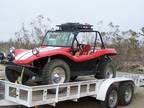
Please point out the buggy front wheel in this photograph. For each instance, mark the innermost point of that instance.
(55, 72)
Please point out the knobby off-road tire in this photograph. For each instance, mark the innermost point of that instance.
(126, 91)
(106, 70)
(55, 72)
(13, 72)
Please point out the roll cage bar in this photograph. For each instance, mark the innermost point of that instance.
(96, 34)
(77, 28)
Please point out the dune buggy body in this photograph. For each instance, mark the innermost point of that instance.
(72, 50)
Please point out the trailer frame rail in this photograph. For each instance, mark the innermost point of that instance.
(40, 95)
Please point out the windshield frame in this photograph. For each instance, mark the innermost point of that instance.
(42, 44)
(97, 33)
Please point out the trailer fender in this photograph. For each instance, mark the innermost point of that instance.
(104, 86)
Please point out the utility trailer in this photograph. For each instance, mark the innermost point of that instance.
(109, 92)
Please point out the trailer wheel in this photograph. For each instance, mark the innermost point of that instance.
(126, 91)
(55, 72)
(106, 70)
(111, 100)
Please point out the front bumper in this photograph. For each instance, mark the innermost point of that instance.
(27, 72)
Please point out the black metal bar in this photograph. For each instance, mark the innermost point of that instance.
(95, 42)
(73, 40)
(103, 46)
(75, 27)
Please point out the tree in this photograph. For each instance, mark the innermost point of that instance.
(142, 29)
(34, 32)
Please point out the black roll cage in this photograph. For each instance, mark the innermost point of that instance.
(97, 33)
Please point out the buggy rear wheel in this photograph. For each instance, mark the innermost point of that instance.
(107, 70)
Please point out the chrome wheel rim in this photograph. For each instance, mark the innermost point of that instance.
(109, 72)
(128, 94)
(58, 75)
(113, 98)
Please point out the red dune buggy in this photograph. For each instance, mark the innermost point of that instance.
(73, 50)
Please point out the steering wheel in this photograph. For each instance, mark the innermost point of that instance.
(76, 48)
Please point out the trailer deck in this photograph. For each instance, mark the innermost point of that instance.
(39, 95)
(14, 94)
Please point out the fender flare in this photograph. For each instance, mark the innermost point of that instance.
(104, 86)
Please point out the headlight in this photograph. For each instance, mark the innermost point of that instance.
(5, 55)
(12, 49)
(35, 51)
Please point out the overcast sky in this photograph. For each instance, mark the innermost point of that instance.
(126, 13)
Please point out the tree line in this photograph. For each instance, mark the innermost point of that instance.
(129, 44)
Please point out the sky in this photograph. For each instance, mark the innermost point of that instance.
(126, 13)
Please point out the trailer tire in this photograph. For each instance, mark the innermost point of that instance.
(126, 91)
(111, 100)
(106, 70)
(52, 76)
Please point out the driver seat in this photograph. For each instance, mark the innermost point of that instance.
(86, 49)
